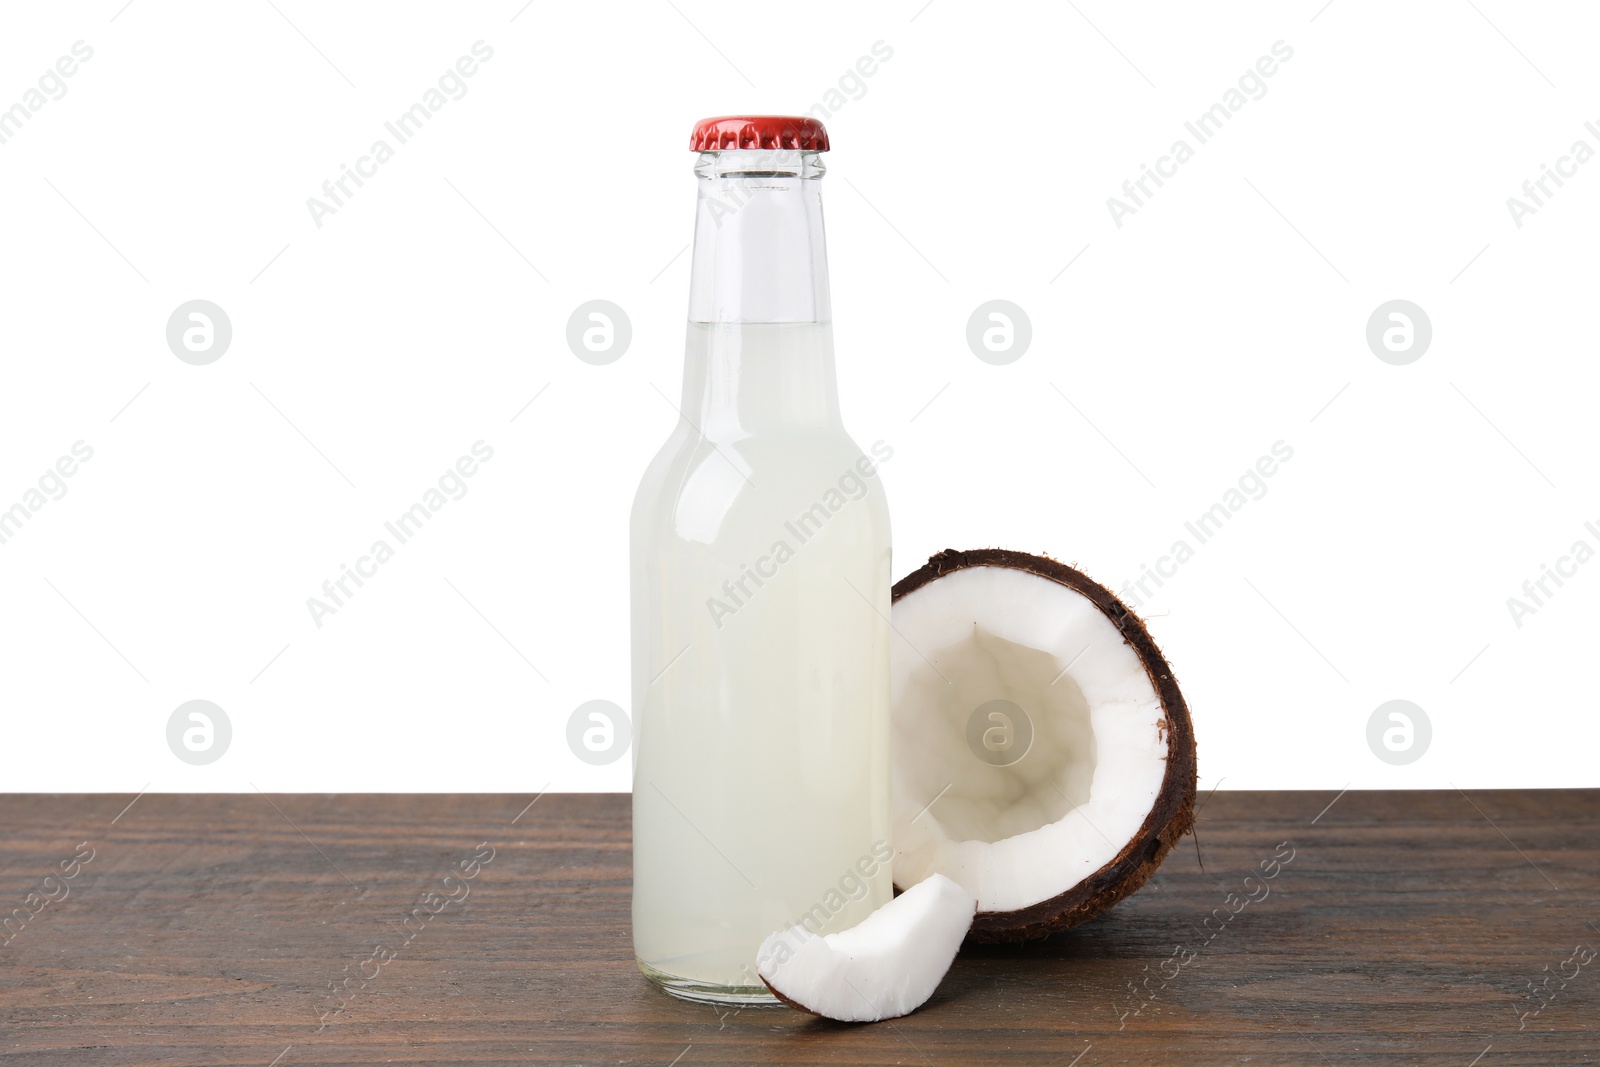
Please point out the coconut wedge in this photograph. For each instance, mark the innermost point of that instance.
(1043, 757)
(886, 966)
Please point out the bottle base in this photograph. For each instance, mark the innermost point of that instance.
(701, 992)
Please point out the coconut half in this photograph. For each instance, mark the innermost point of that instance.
(1043, 757)
(884, 967)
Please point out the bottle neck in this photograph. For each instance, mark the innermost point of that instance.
(760, 349)
(759, 254)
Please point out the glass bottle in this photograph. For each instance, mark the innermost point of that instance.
(760, 597)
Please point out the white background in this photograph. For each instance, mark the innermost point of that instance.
(368, 354)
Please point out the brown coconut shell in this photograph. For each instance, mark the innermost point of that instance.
(1172, 814)
(795, 1004)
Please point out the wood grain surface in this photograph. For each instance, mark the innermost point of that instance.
(1441, 928)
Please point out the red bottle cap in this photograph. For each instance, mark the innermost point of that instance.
(759, 131)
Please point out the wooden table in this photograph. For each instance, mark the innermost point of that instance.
(1408, 928)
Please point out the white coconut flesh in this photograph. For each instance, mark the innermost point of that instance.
(1016, 835)
(885, 966)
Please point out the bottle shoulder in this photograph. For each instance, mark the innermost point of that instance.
(696, 489)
